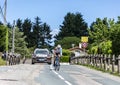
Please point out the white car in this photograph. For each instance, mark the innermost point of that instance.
(41, 55)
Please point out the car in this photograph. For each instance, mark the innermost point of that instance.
(41, 55)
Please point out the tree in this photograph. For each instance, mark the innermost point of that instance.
(115, 38)
(67, 42)
(20, 44)
(73, 25)
(26, 28)
(45, 35)
(37, 32)
(2, 38)
(19, 24)
(41, 32)
(1, 23)
(99, 32)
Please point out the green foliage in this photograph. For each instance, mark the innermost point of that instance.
(2, 62)
(103, 48)
(20, 44)
(64, 59)
(65, 55)
(99, 36)
(45, 36)
(93, 50)
(3, 32)
(6, 41)
(73, 25)
(26, 28)
(115, 38)
(67, 42)
(106, 47)
(41, 34)
(19, 25)
(65, 52)
(104, 35)
(37, 34)
(99, 31)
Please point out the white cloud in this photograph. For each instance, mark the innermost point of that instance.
(54, 32)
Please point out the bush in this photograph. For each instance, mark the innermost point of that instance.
(64, 59)
(2, 62)
(65, 55)
(65, 52)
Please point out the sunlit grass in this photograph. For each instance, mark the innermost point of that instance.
(2, 62)
(102, 70)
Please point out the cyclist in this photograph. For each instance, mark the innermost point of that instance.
(57, 55)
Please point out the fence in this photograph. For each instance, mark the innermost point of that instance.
(104, 62)
(13, 59)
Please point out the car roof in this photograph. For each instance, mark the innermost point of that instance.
(41, 49)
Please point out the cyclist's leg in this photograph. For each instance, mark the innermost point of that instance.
(55, 66)
(58, 64)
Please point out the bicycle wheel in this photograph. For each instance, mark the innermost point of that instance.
(57, 65)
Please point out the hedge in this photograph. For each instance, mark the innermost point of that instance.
(65, 55)
(64, 59)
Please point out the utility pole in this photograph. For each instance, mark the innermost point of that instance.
(5, 10)
(3, 14)
(13, 37)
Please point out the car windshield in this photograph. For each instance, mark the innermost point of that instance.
(41, 52)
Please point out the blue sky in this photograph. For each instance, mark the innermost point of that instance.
(53, 11)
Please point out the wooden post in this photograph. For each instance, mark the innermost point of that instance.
(88, 59)
(98, 61)
(94, 63)
(101, 61)
(113, 63)
(119, 64)
(108, 67)
(91, 59)
(75, 60)
(105, 62)
(95, 60)
(86, 62)
(78, 60)
(82, 59)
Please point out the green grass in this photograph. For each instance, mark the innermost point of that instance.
(2, 62)
(99, 69)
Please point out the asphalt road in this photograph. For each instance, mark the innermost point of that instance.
(41, 74)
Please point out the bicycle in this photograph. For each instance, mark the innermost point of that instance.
(57, 63)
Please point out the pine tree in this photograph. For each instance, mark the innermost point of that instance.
(73, 25)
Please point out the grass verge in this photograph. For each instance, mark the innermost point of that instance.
(2, 62)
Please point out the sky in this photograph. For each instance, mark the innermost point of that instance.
(53, 11)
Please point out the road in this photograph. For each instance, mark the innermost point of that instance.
(41, 74)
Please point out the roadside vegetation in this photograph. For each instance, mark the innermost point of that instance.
(103, 35)
(2, 62)
(105, 71)
(65, 56)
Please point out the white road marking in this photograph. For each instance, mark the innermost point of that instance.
(67, 82)
(64, 64)
(55, 72)
(61, 77)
